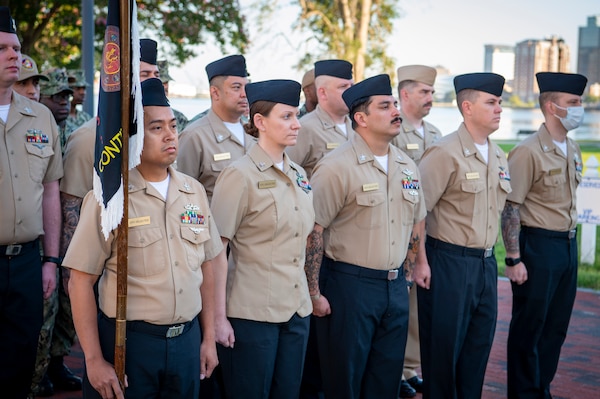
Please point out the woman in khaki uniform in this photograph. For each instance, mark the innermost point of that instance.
(262, 205)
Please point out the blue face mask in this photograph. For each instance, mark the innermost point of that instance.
(573, 119)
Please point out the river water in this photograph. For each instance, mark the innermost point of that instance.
(447, 119)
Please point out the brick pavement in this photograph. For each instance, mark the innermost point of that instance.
(578, 375)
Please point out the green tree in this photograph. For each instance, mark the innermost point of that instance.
(51, 30)
(355, 30)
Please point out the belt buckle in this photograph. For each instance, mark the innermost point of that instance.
(392, 274)
(175, 331)
(488, 252)
(13, 249)
(572, 233)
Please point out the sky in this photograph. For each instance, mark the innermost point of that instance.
(450, 33)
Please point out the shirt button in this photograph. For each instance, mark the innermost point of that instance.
(295, 285)
(392, 221)
(16, 175)
(296, 235)
(171, 236)
(295, 260)
(181, 290)
(296, 208)
(393, 242)
(289, 184)
(176, 263)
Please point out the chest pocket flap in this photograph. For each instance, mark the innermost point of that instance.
(472, 186)
(195, 235)
(370, 199)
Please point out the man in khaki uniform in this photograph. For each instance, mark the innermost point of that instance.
(211, 143)
(369, 211)
(310, 93)
(415, 92)
(172, 238)
(539, 228)
(28, 84)
(465, 183)
(30, 167)
(328, 125)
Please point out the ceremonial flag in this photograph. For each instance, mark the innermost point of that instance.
(108, 177)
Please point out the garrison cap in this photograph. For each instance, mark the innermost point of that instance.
(163, 69)
(148, 51)
(418, 73)
(308, 78)
(278, 91)
(232, 65)
(571, 83)
(337, 68)
(57, 82)
(378, 85)
(7, 23)
(29, 69)
(77, 78)
(482, 81)
(153, 93)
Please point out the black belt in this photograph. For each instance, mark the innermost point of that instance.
(465, 251)
(18, 249)
(164, 331)
(360, 271)
(550, 233)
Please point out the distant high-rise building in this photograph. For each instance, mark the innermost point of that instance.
(533, 56)
(588, 58)
(500, 59)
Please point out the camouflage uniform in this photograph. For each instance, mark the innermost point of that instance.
(76, 80)
(58, 333)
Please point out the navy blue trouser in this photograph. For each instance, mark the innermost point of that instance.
(156, 366)
(541, 311)
(267, 359)
(457, 320)
(362, 342)
(21, 309)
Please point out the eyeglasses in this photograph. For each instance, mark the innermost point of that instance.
(61, 97)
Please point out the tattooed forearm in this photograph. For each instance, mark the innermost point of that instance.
(511, 226)
(71, 206)
(314, 256)
(414, 245)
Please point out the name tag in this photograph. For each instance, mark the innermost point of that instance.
(266, 184)
(472, 175)
(412, 146)
(141, 221)
(331, 146)
(222, 156)
(555, 171)
(371, 187)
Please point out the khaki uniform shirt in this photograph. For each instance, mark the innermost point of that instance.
(206, 147)
(411, 142)
(545, 181)
(168, 242)
(29, 157)
(318, 135)
(267, 214)
(368, 215)
(464, 196)
(78, 160)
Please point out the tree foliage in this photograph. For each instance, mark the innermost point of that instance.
(355, 30)
(50, 31)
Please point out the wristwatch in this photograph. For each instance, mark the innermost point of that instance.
(512, 261)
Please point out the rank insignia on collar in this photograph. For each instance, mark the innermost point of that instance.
(36, 136)
(261, 164)
(191, 215)
(303, 182)
(186, 186)
(503, 174)
(362, 158)
(28, 110)
(467, 151)
(220, 137)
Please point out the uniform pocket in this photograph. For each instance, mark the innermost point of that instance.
(554, 186)
(146, 252)
(193, 239)
(369, 212)
(38, 157)
(410, 200)
(470, 190)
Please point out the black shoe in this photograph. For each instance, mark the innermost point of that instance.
(62, 377)
(406, 391)
(416, 383)
(45, 387)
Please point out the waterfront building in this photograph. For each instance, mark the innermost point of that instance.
(588, 58)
